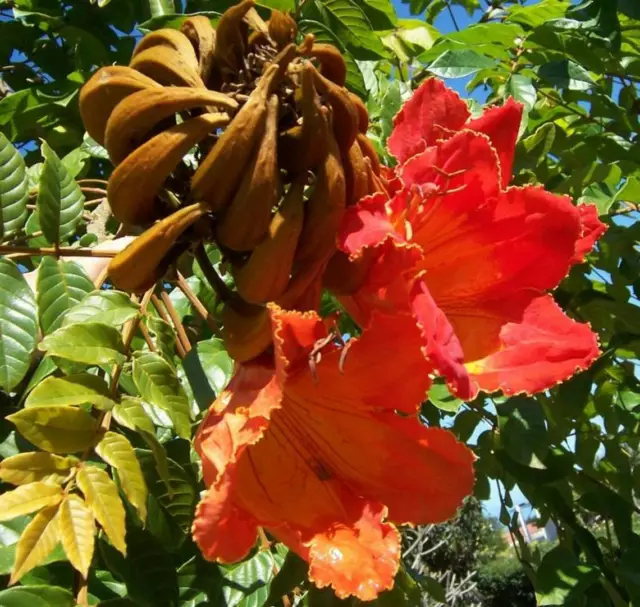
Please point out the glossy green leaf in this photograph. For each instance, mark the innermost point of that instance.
(159, 385)
(459, 63)
(90, 343)
(14, 188)
(561, 578)
(566, 74)
(159, 8)
(72, 390)
(61, 285)
(36, 596)
(60, 201)
(108, 307)
(18, 325)
(247, 584)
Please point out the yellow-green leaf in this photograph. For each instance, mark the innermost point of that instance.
(72, 390)
(101, 494)
(117, 451)
(36, 466)
(131, 414)
(28, 498)
(77, 532)
(36, 543)
(57, 429)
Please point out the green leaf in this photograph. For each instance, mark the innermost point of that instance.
(60, 201)
(380, 13)
(36, 596)
(93, 148)
(131, 414)
(164, 336)
(247, 584)
(159, 8)
(60, 286)
(29, 498)
(108, 307)
(208, 369)
(459, 63)
(77, 532)
(18, 325)
(293, 573)
(566, 74)
(90, 343)
(440, 396)
(117, 451)
(57, 429)
(348, 23)
(14, 188)
(159, 385)
(521, 89)
(72, 390)
(523, 430)
(561, 578)
(24, 468)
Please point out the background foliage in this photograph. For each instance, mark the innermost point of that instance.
(572, 451)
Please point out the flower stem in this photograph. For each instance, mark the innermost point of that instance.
(199, 307)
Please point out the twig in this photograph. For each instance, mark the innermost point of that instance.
(92, 180)
(163, 314)
(453, 17)
(147, 337)
(88, 190)
(22, 238)
(177, 323)
(57, 251)
(183, 285)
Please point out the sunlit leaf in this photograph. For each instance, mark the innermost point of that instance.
(117, 451)
(459, 63)
(91, 343)
(25, 468)
(35, 544)
(77, 532)
(14, 188)
(159, 385)
(71, 390)
(26, 499)
(107, 307)
(130, 413)
(18, 325)
(101, 494)
(61, 285)
(60, 200)
(57, 429)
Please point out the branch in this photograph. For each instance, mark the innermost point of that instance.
(183, 285)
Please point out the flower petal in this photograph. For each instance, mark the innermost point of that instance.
(501, 125)
(359, 560)
(592, 230)
(441, 345)
(222, 531)
(432, 110)
(543, 348)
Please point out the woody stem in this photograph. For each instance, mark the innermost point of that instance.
(198, 306)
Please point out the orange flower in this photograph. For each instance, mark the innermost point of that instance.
(470, 259)
(324, 454)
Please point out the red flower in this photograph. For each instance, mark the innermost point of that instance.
(322, 459)
(470, 259)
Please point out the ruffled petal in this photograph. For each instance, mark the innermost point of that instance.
(344, 379)
(441, 345)
(501, 125)
(222, 531)
(541, 349)
(592, 230)
(432, 110)
(466, 159)
(360, 560)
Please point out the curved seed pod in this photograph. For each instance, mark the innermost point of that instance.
(219, 174)
(265, 275)
(199, 31)
(139, 266)
(303, 147)
(368, 151)
(324, 211)
(245, 222)
(345, 116)
(245, 334)
(104, 90)
(363, 113)
(356, 174)
(168, 67)
(173, 39)
(231, 40)
(135, 116)
(135, 183)
(282, 28)
(332, 65)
